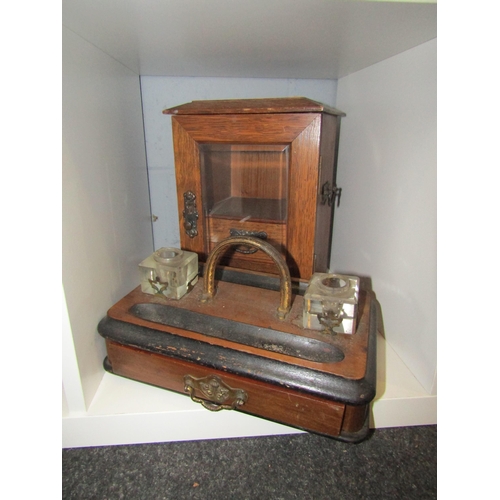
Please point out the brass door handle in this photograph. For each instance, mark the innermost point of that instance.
(284, 272)
(217, 392)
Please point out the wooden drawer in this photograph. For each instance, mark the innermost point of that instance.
(220, 229)
(285, 375)
(265, 400)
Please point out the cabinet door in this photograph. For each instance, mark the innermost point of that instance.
(256, 174)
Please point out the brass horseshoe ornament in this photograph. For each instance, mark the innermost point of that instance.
(216, 253)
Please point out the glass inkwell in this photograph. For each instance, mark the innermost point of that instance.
(169, 272)
(331, 303)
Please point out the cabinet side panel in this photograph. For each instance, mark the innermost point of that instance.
(328, 173)
(302, 200)
(188, 178)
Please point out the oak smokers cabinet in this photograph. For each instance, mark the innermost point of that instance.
(259, 167)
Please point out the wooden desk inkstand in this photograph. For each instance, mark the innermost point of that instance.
(256, 186)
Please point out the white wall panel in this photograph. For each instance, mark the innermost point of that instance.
(385, 227)
(73, 397)
(159, 93)
(106, 215)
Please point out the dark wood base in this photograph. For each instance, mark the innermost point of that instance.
(331, 398)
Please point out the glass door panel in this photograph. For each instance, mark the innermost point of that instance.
(245, 182)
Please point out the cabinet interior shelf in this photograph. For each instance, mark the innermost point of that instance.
(255, 209)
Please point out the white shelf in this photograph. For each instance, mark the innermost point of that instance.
(317, 39)
(128, 412)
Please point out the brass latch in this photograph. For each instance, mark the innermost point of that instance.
(328, 194)
(190, 214)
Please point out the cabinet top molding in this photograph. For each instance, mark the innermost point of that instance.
(251, 106)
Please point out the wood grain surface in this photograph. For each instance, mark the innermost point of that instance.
(256, 306)
(268, 401)
(282, 149)
(253, 106)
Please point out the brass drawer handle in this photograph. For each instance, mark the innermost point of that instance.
(285, 279)
(262, 235)
(218, 393)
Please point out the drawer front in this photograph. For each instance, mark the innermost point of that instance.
(220, 229)
(265, 400)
